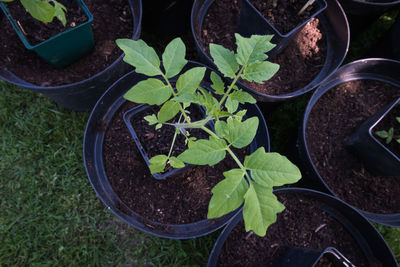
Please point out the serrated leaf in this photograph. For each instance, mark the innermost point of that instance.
(189, 81)
(260, 208)
(158, 163)
(176, 163)
(59, 12)
(271, 169)
(187, 98)
(174, 57)
(141, 56)
(151, 91)
(205, 152)
(260, 71)
(217, 84)
(231, 105)
(252, 49)
(225, 60)
(243, 97)
(239, 134)
(228, 194)
(208, 100)
(151, 119)
(40, 10)
(168, 111)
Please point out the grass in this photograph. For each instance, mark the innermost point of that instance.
(50, 215)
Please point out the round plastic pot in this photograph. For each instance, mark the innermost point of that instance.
(103, 113)
(334, 25)
(251, 21)
(367, 237)
(82, 95)
(384, 70)
(367, 8)
(376, 156)
(65, 47)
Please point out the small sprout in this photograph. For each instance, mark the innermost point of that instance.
(390, 134)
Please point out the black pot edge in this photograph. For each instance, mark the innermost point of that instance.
(125, 218)
(391, 220)
(283, 97)
(44, 90)
(213, 258)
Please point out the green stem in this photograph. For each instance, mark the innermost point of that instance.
(182, 110)
(230, 87)
(173, 140)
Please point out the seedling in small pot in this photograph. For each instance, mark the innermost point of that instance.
(390, 134)
(44, 10)
(253, 181)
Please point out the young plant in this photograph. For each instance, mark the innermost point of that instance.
(253, 180)
(390, 134)
(44, 10)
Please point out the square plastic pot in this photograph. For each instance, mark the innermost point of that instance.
(376, 156)
(65, 47)
(251, 21)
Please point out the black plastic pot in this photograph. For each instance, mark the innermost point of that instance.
(373, 69)
(304, 257)
(82, 95)
(367, 8)
(103, 112)
(251, 21)
(376, 156)
(336, 29)
(365, 235)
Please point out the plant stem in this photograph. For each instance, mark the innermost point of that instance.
(309, 3)
(230, 87)
(173, 140)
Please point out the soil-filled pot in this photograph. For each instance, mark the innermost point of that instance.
(340, 105)
(175, 207)
(64, 47)
(312, 220)
(317, 51)
(79, 85)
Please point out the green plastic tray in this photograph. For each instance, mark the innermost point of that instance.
(63, 48)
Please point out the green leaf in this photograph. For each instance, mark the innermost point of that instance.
(252, 49)
(158, 126)
(260, 208)
(141, 56)
(59, 12)
(217, 84)
(176, 163)
(260, 71)
(151, 119)
(243, 97)
(398, 119)
(236, 132)
(158, 163)
(231, 104)
(271, 169)
(190, 80)
(205, 152)
(174, 57)
(225, 60)
(168, 111)
(208, 100)
(40, 10)
(187, 98)
(398, 140)
(228, 194)
(382, 134)
(390, 136)
(151, 91)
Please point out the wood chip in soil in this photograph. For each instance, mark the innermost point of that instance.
(299, 63)
(333, 118)
(179, 200)
(303, 223)
(112, 19)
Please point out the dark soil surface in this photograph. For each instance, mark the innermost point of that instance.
(299, 63)
(179, 200)
(333, 118)
(303, 223)
(112, 19)
(284, 16)
(389, 121)
(36, 31)
(157, 142)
